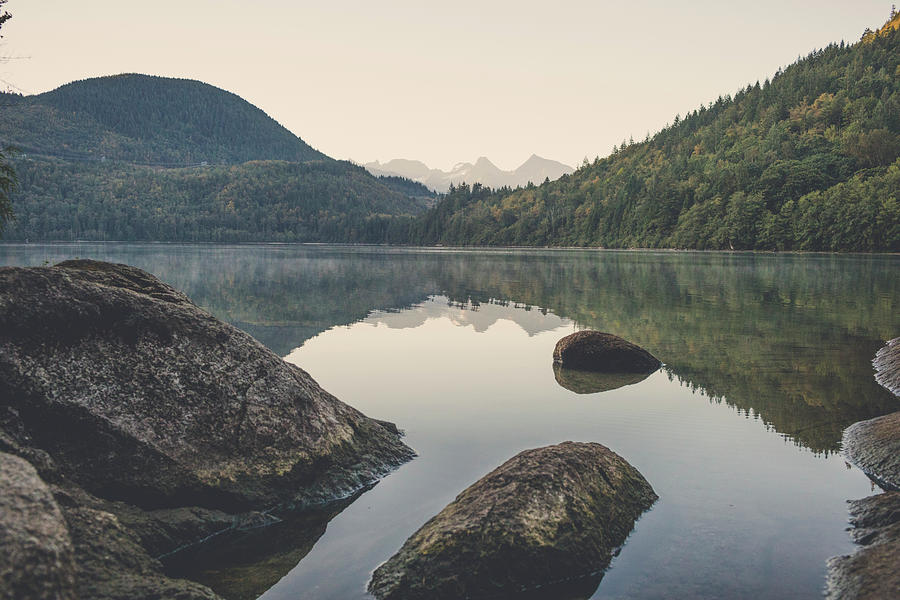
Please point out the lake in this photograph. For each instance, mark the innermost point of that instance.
(767, 359)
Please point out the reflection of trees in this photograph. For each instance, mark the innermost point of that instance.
(787, 337)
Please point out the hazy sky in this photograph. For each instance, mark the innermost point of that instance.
(441, 82)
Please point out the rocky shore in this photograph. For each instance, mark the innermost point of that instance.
(133, 423)
(873, 571)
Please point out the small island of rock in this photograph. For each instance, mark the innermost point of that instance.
(598, 351)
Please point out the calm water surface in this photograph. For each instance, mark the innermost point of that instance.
(767, 360)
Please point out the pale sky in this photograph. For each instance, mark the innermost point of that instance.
(441, 82)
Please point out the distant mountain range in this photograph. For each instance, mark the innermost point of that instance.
(534, 170)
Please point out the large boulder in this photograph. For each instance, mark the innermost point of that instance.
(36, 561)
(873, 571)
(598, 351)
(139, 395)
(547, 515)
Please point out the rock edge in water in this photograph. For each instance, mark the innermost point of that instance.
(546, 515)
(872, 572)
(887, 366)
(598, 351)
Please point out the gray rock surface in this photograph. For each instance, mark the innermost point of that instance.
(35, 550)
(552, 515)
(873, 571)
(139, 395)
(597, 351)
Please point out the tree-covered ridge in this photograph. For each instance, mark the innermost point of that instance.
(805, 161)
(147, 119)
(320, 201)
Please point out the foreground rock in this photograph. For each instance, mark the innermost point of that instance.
(594, 382)
(598, 351)
(872, 572)
(155, 426)
(140, 395)
(35, 549)
(554, 514)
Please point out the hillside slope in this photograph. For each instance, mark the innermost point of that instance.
(806, 161)
(147, 119)
(134, 157)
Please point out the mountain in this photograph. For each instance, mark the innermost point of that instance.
(136, 157)
(148, 119)
(483, 171)
(806, 161)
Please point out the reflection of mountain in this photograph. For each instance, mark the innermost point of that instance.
(787, 337)
(478, 315)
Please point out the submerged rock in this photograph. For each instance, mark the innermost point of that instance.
(598, 351)
(594, 382)
(547, 516)
(874, 447)
(140, 395)
(35, 550)
(873, 571)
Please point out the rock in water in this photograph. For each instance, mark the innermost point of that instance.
(547, 515)
(598, 351)
(139, 395)
(874, 447)
(35, 549)
(873, 571)
(887, 366)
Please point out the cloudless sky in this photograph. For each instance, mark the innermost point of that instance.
(441, 82)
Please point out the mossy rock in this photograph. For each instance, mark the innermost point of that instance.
(548, 516)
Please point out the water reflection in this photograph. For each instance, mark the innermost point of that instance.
(241, 565)
(594, 382)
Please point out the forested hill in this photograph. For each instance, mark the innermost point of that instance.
(808, 160)
(147, 119)
(134, 157)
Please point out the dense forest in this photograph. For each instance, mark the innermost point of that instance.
(806, 161)
(278, 201)
(134, 157)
